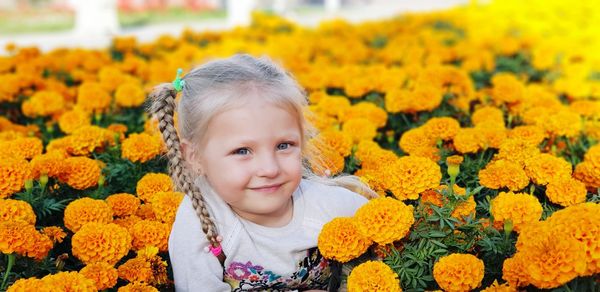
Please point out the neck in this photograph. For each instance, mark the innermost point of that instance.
(278, 218)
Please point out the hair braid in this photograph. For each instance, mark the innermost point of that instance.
(163, 108)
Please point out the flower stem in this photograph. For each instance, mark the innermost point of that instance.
(11, 262)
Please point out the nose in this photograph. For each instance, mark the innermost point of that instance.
(268, 165)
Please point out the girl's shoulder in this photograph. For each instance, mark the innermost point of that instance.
(334, 201)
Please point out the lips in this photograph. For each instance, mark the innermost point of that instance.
(267, 188)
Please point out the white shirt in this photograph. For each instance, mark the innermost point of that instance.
(253, 251)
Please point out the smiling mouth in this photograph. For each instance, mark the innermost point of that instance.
(267, 189)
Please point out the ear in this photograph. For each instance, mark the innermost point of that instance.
(190, 157)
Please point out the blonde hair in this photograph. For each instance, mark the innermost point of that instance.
(219, 85)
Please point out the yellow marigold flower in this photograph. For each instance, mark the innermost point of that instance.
(416, 139)
(495, 287)
(141, 147)
(493, 134)
(333, 106)
(593, 156)
(398, 100)
(384, 220)
(111, 77)
(520, 209)
(16, 210)
(533, 135)
(147, 267)
(359, 129)
(566, 191)
(588, 174)
(507, 88)
(129, 95)
(30, 285)
(149, 232)
(145, 212)
(581, 222)
(85, 140)
(72, 120)
(335, 139)
(104, 275)
(465, 209)
(458, 272)
(488, 114)
(128, 221)
(411, 175)
(22, 238)
(321, 121)
(372, 156)
(69, 281)
(586, 108)
(99, 242)
(325, 160)
(544, 168)
(425, 98)
(92, 97)
(553, 258)
(165, 205)
(137, 287)
(55, 233)
(13, 173)
(501, 173)
(367, 110)
(469, 140)
(43, 103)
(85, 210)
(514, 272)
(341, 240)
(49, 163)
(25, 148)
(444, 128)
(123, 204)
(80, 172)
(373, 276)
(517, 151)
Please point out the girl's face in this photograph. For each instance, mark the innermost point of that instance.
(252, 158)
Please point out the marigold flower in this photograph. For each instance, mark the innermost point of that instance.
(55, 233)
(507, 88)
(129, 95)
(359, 129)
(165, 205)
(149, 232)
(566, 191)
(514, 272)
(373, 276)
(531, 134)
(458, 272)
(50, 163)
(123, 204)
(152, 183)
(86, 139)
(367, 110)
(341, 240)
(128, 221)
(67, 281)
(145, 212)
(384, 220)
(469, 140)
(495, 287)
(147, 267)
(544, 168)
(99, 242)
(372, 156)
(517, 151)
(337, 140)
(412, 175)
(488, 114)
(13, 174)
(22, 238)
(22, 147)
(141, 147)
(104, 275)
(43, 103)
(415, 139)
(333, 106)
(588, 174)
(501, 173)
(84, 210)
(16, 210)
(520, 209)
(72, 120)
(444, 128)
(492, 134)
(593, 156)
(92, 97)
(80, 172)
(137, 287)
(30, 285)
(325, 160)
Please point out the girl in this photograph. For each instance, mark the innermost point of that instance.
(254, 208)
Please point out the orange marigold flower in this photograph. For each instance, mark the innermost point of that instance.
(30, 285)
(123, 204)
(566, 191)
(359, 129)
(99, 242)
(493, 134)
(398, 100)
(444, 128)
(588, 174)
(425, 98)
(80, 172)
(488, 114)
(384, 220)
(367, 110)
(517, 151)
(165, 204)
(507, 88)
(104, 275)
(372, 156)
(150, 232)
(520, 209)
(145, 212)
(141, 147)
(128, 221)
(412, 175)
(373, 276)
(581, 222)
(469, 140)
(137, 287)
(68, 281)
(593, 156)
(152, 183)
(325, 160)
(86, 140)
(22, 238)
(341, 240)
(147, 267)
(413, 140)
(16, 210)
(533, 135)
(72, 120)
(49, 163)
(43, 103)
(55, 233)
(514, 272)
(130, 95)
(13, 174)
(544, 168)
(85, 210)
(495, 287)
(458, 272)
(92, 97)
(333, 106)
(501, 173)
(23, 147)
(335, 139)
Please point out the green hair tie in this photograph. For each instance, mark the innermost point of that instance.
(178, 83)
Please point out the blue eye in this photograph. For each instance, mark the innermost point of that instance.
(286, 143)
(241, 151)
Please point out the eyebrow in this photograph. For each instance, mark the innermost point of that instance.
(282, 137)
